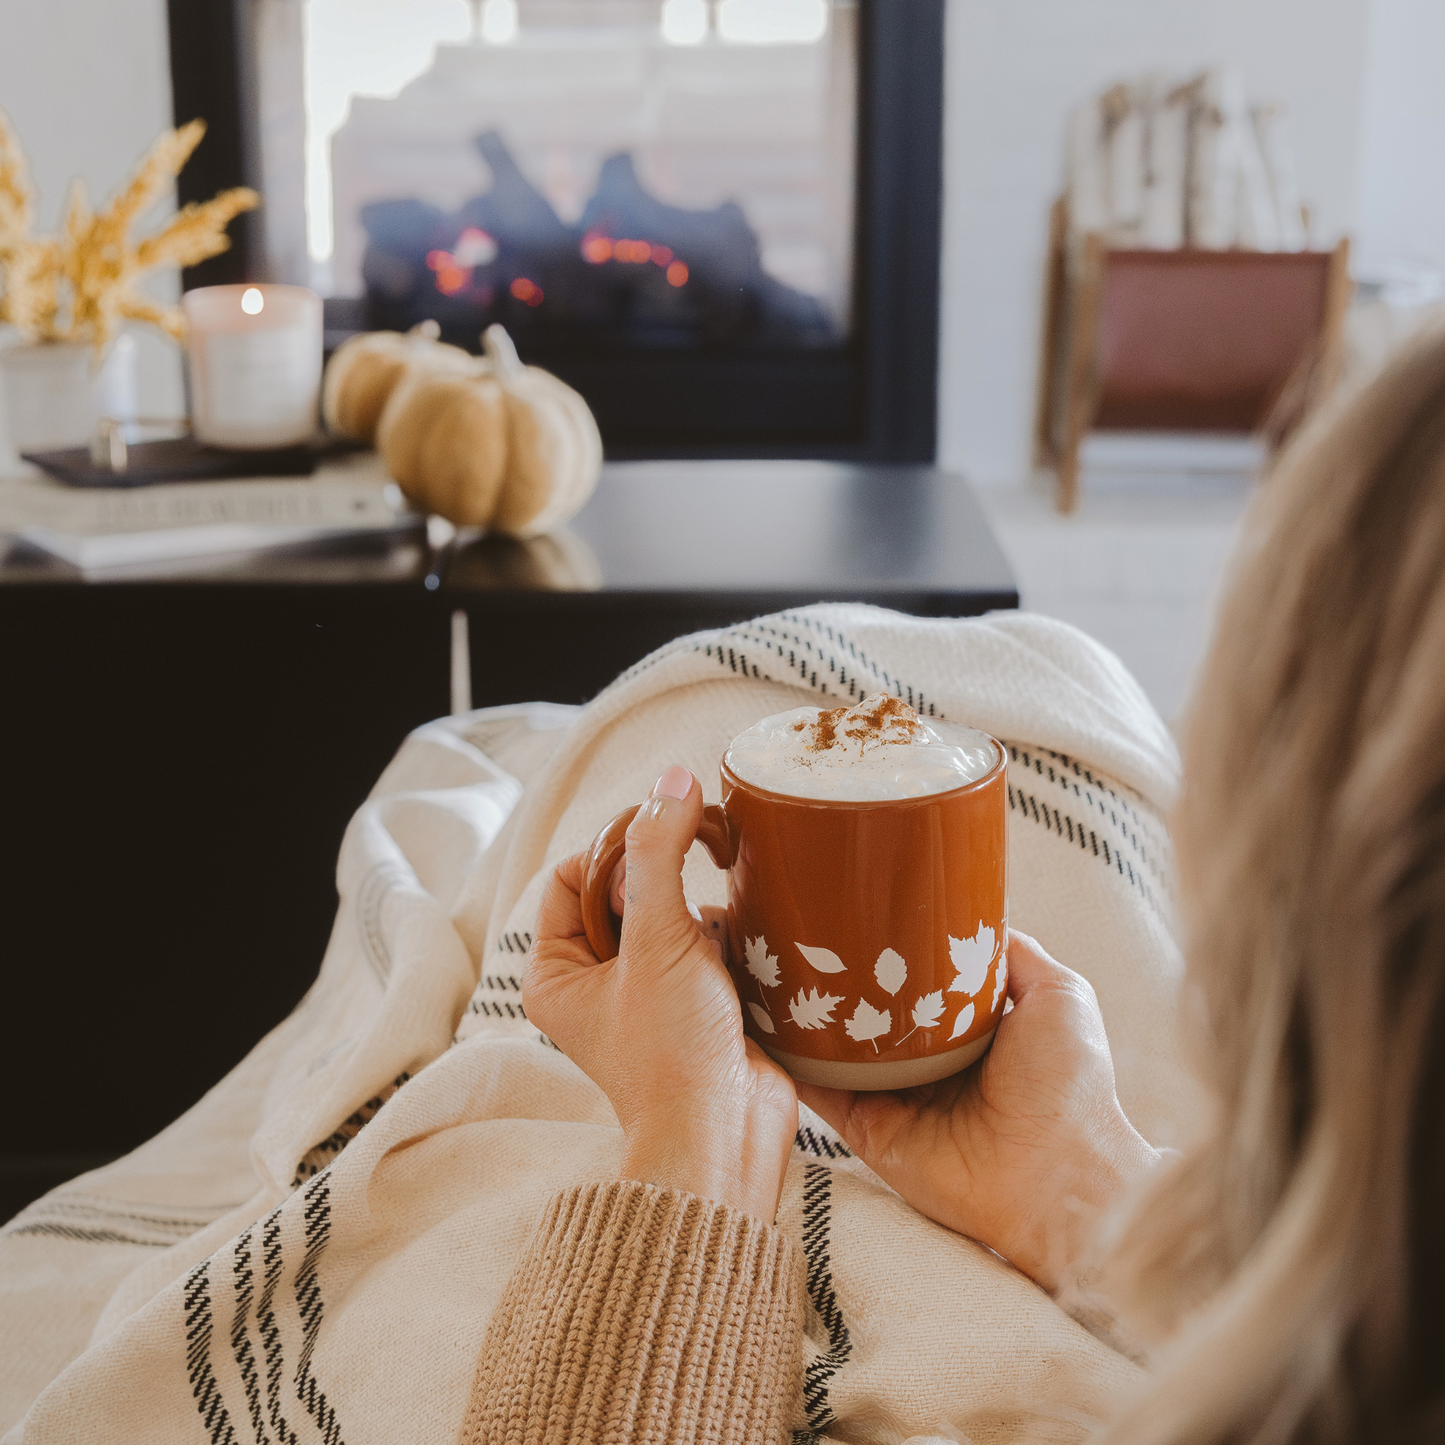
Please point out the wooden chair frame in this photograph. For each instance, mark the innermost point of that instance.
(1067, 397)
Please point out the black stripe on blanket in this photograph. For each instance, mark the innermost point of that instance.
(318, 1156)
(820, 1145)
(817, 1218)
(204, 1390)
(265, 1371)
(308, 1297)
(371, 894)
(83, 1218)
(817, 660)
(1091, 831)
(490, 1008)
(1095, 797)
(87, 1236)
(268, 1325)
(241, 1334)
(800, 650)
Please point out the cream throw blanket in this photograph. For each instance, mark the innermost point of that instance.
(312, 1252)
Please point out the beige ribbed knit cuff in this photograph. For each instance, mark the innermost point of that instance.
(638, 1313)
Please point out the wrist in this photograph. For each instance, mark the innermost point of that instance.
(735, 1161)
(1108, 1164)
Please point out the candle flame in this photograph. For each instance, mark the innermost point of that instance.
(252, 301)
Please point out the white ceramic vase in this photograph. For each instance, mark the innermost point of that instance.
(54, 393)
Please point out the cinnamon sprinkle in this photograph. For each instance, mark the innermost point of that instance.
(877, 720)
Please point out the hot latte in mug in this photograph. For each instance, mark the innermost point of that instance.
(876, 750)
(866, 852)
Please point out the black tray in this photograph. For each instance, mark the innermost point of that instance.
(182, 459)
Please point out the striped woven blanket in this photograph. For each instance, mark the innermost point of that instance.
(312, 1252)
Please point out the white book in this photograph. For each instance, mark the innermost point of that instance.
(97, 528)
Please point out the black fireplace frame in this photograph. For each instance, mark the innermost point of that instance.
(872, 398)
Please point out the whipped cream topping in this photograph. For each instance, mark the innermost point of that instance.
(877, 749)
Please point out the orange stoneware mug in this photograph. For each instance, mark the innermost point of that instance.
(866, 938)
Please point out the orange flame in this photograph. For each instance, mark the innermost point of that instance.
(450, 277)
(596, 248)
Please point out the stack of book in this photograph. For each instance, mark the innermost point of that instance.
(96, 528)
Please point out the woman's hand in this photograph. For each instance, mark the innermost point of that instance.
(1022, 1152)
(659, 1028)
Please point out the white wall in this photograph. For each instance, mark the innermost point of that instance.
(87, 86)
(1400, 194)
(1015, 68)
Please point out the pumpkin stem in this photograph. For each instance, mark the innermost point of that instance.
(501, 352)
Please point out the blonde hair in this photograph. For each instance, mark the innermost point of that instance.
(1294, 1262)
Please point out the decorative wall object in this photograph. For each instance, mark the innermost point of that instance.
(1156, 164)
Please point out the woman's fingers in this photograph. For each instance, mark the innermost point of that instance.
(832, 1106)
(560, 912)
(712, 923)
(1029, 967)
(656, 921)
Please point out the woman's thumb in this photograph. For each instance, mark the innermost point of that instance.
(657, 841)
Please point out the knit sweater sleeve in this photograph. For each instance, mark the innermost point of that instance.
(639, 1313)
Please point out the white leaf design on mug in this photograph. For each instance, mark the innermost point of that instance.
(813, 1011)
(890, 971)
(1000, 980)
(867, 1024)
(823, 959)
(761, 964)
(764, 1022)
(971, 957)
(963, 1022)
(926, 1014)
(928, 1010)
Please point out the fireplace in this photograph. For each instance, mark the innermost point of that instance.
(718, 219)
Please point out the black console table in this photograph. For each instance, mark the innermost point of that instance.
(183, 745)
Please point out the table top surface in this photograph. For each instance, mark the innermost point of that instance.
(805, 529)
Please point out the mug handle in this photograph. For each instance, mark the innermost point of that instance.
(606, 853)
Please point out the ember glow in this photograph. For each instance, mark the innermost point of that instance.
(450, 276)
(474, 247)
(598, 248)
(635, 268)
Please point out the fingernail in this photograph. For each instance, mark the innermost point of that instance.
(676, 782)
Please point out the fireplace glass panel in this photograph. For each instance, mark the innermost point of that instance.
(595, 174)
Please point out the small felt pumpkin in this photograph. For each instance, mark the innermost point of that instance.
(503, 446)
(443, 436)
(366, 369)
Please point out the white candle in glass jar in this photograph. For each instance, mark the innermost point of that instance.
(255, 361)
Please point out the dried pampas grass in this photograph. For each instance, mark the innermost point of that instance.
(80, 285)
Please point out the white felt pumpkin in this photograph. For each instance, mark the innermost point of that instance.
(502, 445)
(366, 369)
